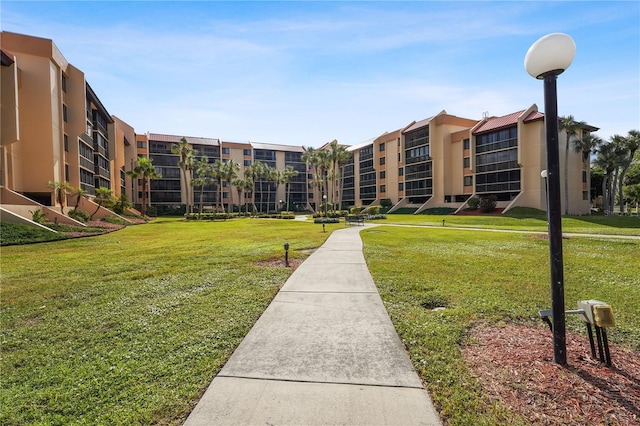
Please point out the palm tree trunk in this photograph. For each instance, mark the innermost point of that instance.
(201, 200)
(566, 177)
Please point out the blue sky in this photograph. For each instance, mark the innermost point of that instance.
(305, 73)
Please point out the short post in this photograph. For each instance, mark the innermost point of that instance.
(443, 222)
(323, 230)
(286, 254)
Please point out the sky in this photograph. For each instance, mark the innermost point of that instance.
(307, 72)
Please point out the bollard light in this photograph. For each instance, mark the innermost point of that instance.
(548, 57)
(286, 254)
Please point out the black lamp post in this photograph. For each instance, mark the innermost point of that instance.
(286, 254)
(545, 60)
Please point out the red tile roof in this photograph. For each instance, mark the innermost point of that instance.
(493, 123)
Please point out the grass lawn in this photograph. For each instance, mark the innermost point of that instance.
(130, 327)
(526, 220)
(491, 278)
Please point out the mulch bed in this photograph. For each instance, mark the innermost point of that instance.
(515, 366)
(106, 228)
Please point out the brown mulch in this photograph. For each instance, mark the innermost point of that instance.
(278, 263)
(106, 228)
(515, 366)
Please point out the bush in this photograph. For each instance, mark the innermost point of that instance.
(372, 210)
(326, 220)
(386, 202)
(355, 210)
(488, 204)
(473, 203)
(376, 216)
(38, 216)
(115, 220)
(209, 216)
(79, 215)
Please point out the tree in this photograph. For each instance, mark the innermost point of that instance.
(288, 174)
(217, 173)
(249, 187)
(186, 164)
(145, 171)
(230, 172)
(103, 197)
(204, 176)
(343, 157)
(587, 145)
(571, 127)
(239, 185)
(271, 175)
(60, 193)
(324, 162)
(310, 157)
(631, 144)
(121, 203)
(596, 178)
(257, 171)
(608, 160)
(79, 193)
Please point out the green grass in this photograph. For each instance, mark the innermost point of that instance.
(16, 233)
(490, 278)
(526, 220)
(130, 327)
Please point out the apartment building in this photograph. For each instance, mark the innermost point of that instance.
(54, 126)
(443, 160)
(56, 129)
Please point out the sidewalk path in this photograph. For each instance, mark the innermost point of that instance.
(323, 353)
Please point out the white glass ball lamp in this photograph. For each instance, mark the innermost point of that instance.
(552, 53)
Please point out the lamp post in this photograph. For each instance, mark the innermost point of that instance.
(286, 254)
(324, 199)
(548, 57)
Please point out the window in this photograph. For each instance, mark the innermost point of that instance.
(383, 174)
(225, 150)
(468, 181)
(585, 195)
(466, 162)
(383, 188)
(142, 145)
(465, 144)
(247, 163)
(64, 112)
(246, 152)
(382, 161)
(89, 128)
(64, 83)
(66, 144)
(584, 175)
(381, 147)
(66, 172)
(401, 171)
(401, 186)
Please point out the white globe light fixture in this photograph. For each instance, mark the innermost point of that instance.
(545, 60)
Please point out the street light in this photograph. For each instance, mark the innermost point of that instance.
(545, 60)
(324, 198)
(286, 254)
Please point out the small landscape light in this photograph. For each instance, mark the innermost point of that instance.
(286, 254)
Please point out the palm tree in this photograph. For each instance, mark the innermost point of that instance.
(272, 175)
(249, 187)
(324, 162)
(60, 192)
(144, 170)
(230, 172)
(571, 127)
(217, 173)
(587, 145)
(343, 157)
(239, 185)
(257, 171)
(103, 196)
(288, 174)
(608, 160)
(204, 177)
(186, 164)
(631, 144)
(79, 193)
(310, 157)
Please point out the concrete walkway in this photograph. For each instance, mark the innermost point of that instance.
(323, 353)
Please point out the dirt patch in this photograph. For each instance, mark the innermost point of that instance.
(278, 263)
(515, 366)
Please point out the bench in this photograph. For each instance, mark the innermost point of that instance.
(358, 220)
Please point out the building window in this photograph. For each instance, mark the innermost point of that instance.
(142, 145)
(381, 147)
(465, 144)
(584, 175)
(66, 172)
(246, 152)
(64, 112)
(468, 181)
(225, 150)
(401, 186)
(66, 144)
(383, 174)
(401, 171)
(383, 188)
(247, 163)
(466, 162)
(382, 161)
(585, 195)
(64, 83)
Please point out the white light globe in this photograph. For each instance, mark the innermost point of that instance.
(552, 53)
(543, 174)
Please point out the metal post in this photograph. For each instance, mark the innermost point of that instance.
(555, 219)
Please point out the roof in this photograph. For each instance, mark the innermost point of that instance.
(94, 98)
(361, 145)
(418, 124)
(493, 123)
(193, 140)
(276, 147)
(7, 59)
